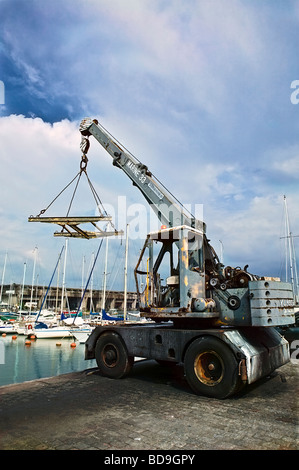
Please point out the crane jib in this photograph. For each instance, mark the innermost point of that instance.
(136, 171)
(168, 210)
(141, 177)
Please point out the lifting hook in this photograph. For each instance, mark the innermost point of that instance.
(83, 163)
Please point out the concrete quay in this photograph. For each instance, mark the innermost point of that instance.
(151, 409)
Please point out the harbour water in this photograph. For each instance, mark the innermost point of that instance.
(42, 358)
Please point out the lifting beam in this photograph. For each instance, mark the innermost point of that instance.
(70, 226)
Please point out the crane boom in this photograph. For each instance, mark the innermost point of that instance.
(170, 212)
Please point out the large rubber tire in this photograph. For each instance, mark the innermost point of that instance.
(211, 368)
(112, 356)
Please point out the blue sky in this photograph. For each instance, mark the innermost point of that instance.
(199, 90)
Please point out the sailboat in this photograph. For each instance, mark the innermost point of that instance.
(8, 327)
(112, 315)
(290, 260)
(46, 331)
(83, 332)
(5, 311)
(42, 329)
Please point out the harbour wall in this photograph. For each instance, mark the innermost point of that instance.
(12, 295)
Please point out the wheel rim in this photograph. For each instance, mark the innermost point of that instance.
(209, 368)
(110, 355)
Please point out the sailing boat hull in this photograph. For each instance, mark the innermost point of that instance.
(46, 333)
(82, 335)
(8, 329)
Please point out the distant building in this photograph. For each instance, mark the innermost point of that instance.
(12, 296)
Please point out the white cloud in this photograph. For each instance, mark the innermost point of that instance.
(38, 160)
(286, 161)
(194, 89)
(33, 153)
(192, 48)
(253, 235)
(33, 156)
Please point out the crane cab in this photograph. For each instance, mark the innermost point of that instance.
(170, 275)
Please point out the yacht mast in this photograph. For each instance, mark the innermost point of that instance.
(126, 273)
(105, 276)
(290, 253)
(33, 278)
(3, 274)
(63, 279)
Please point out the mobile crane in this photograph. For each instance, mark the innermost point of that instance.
(218, 321)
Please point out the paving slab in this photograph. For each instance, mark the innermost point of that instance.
(151, 409)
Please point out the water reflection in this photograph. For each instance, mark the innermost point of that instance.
(43, 358)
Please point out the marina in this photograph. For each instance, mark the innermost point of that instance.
(31, 350)
(47, 342)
